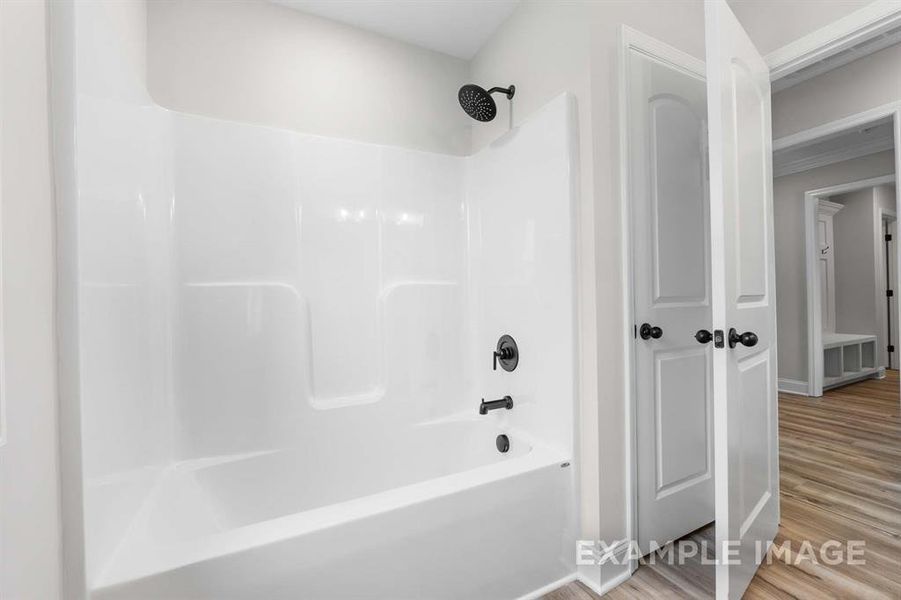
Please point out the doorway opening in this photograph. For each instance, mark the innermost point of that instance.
(835, 323)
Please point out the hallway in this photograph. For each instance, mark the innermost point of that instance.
(840, 479)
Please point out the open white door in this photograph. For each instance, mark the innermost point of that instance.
(667, 125)
(743, 301)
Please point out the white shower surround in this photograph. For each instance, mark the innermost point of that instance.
(284, 342)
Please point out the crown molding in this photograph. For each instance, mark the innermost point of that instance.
(830, 157)
(854, 29)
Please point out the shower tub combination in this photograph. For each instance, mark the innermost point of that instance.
(283, 344)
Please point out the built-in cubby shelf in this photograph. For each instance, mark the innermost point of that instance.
(848, 357)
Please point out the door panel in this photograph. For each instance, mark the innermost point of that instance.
(742, 258)
(682, 418)
(671, 289)
(676, 138)
(826, 256)
(749, 225)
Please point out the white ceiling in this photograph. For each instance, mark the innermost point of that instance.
(455, 27)
(844, 145)
(771, 24)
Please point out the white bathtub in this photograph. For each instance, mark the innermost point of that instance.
(283, 340)
(453, 518)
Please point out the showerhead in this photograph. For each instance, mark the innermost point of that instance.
(478, 103)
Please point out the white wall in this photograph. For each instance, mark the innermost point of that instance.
(791, 291)
(29, 494)
(860, 85)
(257, 62)
(549, 47)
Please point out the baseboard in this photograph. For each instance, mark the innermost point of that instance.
(605, 587)
(608, 569)
(793, 386)
(535, 595)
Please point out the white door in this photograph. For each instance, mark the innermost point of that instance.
(671, 293)
(825, 212)
(743, 299)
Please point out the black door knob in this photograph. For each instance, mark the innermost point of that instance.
(748, 338)
(646, 331)
(703, 336)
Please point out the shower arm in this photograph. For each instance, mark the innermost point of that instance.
(507, 91)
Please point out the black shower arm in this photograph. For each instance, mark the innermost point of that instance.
(509, 91)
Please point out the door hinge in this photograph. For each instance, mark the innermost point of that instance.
(719, 338)
(891, 348)
(888, 237)
(889, 293)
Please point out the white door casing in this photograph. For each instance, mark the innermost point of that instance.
(667, 115)
(826, 243)
(743, 298)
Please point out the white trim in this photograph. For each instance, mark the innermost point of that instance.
(879, 373)
(844, 153)
(814, 310)
(792, 386)
(864, 24)
(633, 40)
(829, 208)
(547, 589)
(814, 134)
(602, 589)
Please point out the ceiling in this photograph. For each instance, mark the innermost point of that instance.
(771, 24)
(455, 27)
(845, 145)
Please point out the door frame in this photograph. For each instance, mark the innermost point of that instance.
(632, 40)
(884, 217)
(811, 252)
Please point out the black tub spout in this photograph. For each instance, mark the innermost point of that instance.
(505, 402)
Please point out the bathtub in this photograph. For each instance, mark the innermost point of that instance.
(283, 340)
(453, 518)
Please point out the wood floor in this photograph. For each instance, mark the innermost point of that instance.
(840, 474)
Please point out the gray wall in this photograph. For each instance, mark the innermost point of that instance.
(257, 62)
(791, 292)
(855, 263)
(29, 490)
(858, 86)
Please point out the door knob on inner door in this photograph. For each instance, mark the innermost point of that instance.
(748, 338)
(647, 331)
(703, 336)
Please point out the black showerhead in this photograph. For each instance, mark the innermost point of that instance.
(478, 103)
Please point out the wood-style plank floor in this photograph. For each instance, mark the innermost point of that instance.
(840, 474)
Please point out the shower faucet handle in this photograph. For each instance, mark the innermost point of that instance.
(507, 353)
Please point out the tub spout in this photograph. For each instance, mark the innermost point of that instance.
(505, 402)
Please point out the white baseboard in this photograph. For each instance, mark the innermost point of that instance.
(793, 386)
(605, 587)
(535, 595)
(608, 570)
